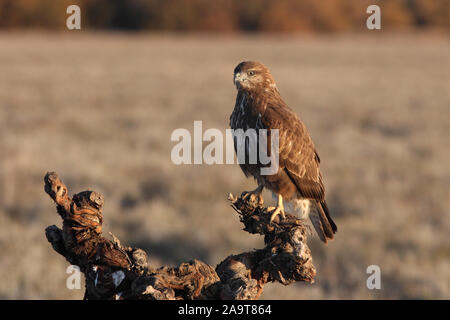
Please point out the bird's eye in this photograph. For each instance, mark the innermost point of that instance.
(251, 73)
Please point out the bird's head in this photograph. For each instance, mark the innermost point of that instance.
(250, 76)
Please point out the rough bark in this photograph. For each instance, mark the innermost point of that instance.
(115, 271)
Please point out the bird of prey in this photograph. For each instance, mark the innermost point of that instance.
(298, 180)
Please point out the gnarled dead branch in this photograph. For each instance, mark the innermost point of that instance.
(114, 271)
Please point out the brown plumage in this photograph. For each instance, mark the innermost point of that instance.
(298, 179)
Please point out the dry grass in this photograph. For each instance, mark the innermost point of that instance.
(99, 110)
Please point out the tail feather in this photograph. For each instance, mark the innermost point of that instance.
(327, 214)
(318, 213)
(317, 224)
(321, 220)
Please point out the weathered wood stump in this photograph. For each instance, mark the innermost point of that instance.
(114, 271)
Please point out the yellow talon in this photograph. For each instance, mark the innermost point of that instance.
(279, 209)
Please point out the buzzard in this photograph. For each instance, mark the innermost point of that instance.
(298, 180)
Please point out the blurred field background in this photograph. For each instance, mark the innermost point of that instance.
(228, 16)
(98, 107)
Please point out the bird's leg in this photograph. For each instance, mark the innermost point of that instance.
(279, 209)
(255, 194)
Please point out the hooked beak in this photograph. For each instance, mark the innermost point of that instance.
(237, 79)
